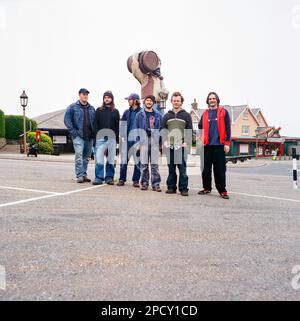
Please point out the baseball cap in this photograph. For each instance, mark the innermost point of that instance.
(133, 96)
(83, 91)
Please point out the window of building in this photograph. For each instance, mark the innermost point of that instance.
(246, 130)
(244, 148)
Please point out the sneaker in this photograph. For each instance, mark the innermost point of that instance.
(86, 180)
(156, 189)
(110, 182)
(136, 184)
(185, 193)
(80, 180)
(171, 191)
(97, 182)
(204, 192)
(224, 195)
(144, 187)
(121, 183)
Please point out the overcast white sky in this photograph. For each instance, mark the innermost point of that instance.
(247, 51)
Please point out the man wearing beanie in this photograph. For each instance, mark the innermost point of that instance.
(106, 126)
(148, 123)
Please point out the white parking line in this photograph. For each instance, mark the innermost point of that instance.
(259, 196)
(251, 195)
(268, 197)
(84, 189)
(29, 190)
(28, 200)
(94, 187)
(49, 196)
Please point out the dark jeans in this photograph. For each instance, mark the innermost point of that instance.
(214, 155)
(150, 155)
(126, 154)
(177, 158)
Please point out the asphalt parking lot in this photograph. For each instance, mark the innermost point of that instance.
(65, 241)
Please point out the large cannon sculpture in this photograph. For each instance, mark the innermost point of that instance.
(145, 67)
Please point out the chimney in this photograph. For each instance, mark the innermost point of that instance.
(195, 105)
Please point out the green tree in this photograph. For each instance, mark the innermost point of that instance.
(14, 126)
(2, 124)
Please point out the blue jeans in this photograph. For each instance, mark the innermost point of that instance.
(125, 157)
(103, 146)
(83, 150)
(161, 111)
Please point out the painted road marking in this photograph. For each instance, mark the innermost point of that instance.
(29, 200)
(94, 187)
(268, 197)
(259, 196)
(49, 196)
(84, 189)
(28, 190)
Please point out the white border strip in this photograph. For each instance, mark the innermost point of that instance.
(29, 200)
(268, 197)
(49, 196)
(257, 196)
(29, 190)
(94, 187)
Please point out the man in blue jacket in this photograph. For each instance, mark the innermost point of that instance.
(149, 123)
(128, 141)
(79, 119)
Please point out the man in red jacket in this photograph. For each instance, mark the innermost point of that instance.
(216, 134)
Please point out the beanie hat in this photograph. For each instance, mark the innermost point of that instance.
(109, 94)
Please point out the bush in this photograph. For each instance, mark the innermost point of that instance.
(44, 146)
(14, 126)
(2, 124)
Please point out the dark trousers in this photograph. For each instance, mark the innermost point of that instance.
(177, 158)
(214, 155)
(125, 157)
(150, 155)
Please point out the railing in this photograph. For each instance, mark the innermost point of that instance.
(241, 158)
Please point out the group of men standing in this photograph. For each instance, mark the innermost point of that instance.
(142, 133)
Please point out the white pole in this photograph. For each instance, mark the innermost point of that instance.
(295, 179)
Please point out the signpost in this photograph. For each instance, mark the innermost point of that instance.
(295, 151)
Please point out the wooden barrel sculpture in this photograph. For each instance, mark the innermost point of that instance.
(129, 63)
(148, 61)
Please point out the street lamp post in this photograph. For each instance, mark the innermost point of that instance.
(24, 102)
(256, 147)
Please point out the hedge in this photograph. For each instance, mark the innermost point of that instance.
(14, 126)
(44, 146)
(2, 124)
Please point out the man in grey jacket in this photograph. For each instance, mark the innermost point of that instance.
(79, 119)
